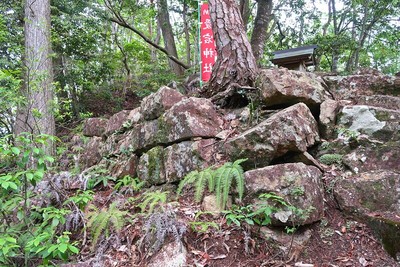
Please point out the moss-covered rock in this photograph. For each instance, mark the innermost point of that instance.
(151, 167)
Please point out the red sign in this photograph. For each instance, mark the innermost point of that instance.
(207, 45)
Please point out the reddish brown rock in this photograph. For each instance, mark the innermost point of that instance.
(327, 118)
(91, 152)
(192, 117)
(369, 156)
(94, 126)
(124, 165)
(292, 129)
(297, 183)
(353, 86)
(157, 103)
(116, 122)
(286, 87)
(382, 101)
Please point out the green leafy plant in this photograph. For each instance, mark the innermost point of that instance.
(81, 198)
(238, 214)
(28, 232)
(219, 181)
(98, 176)
(129, 184)
(102, 221)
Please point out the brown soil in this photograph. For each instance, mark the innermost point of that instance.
(335, 241)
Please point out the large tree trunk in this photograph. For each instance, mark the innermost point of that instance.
(245, 12)
(235, 61)
(168, 35)
(36, 115)
(260, 31)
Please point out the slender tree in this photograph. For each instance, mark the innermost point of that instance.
(260, 30)
(35, 116)
(168, 35)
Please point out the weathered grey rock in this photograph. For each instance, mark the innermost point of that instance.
(94, 126)
(374, 191)
(283, 86)
(382, 101)
(369, 156)
(180, 159)
(92, 152)
(295, 243)
(157, 103)
(116, 122)
(151, 167)
(172, 254)
(292, 129)
(192, 117)
(124, 165)
(297, 183)
(135, 116)
(378, 123)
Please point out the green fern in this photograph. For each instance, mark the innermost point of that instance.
(219, 181)
(151, 199)
(100, 221)
(200, 179)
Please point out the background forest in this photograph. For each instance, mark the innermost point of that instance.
(104, 49)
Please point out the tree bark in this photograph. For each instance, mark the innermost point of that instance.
(168, 35)
(260, 31)
(36, 115)
(235, 60)
(245, 12)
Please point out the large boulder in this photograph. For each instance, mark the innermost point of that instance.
(192, 117)
(378, 123)
(94, 126)
(292, 129)
(327, 118)
(298, 184)
(157, 103)
(382, 101)
(184, 157)
(124, 165)
(369, 156)
(286, 87)
(91, 152)
(352, 86)
(116, 122)
(368, 192)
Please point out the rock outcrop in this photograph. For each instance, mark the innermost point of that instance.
(293, 129)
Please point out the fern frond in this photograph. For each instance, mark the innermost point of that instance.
(99, 222)
(220, 177)
(200, 186)
(151, 199)
(238, 174)
(189, 179)
(209, 176)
